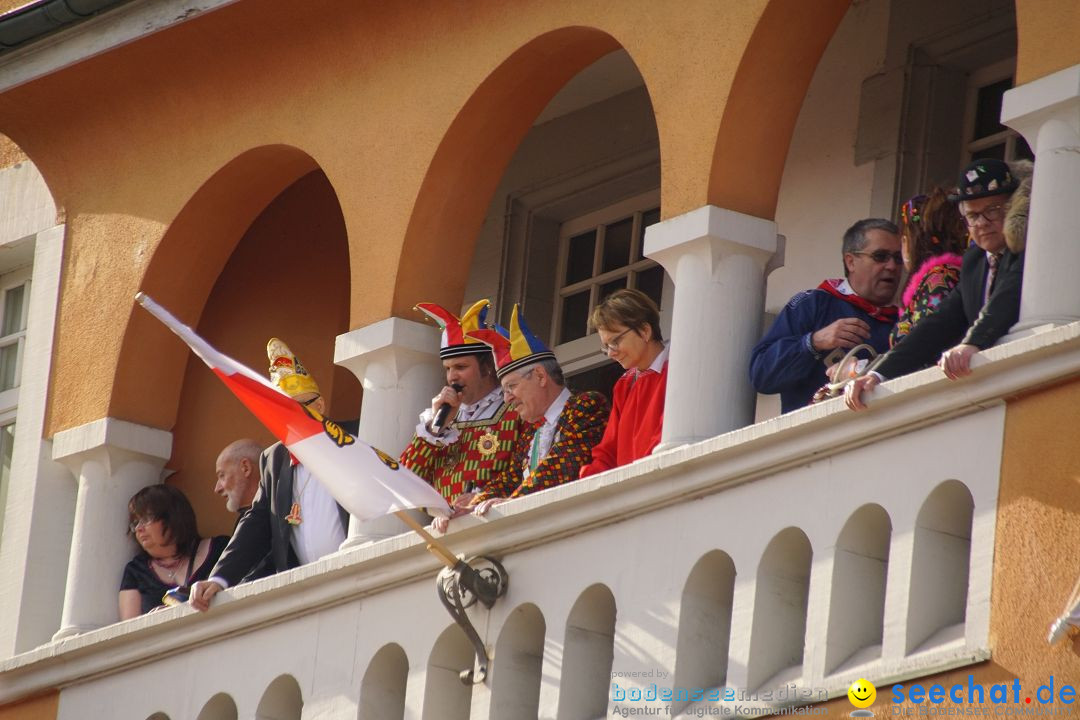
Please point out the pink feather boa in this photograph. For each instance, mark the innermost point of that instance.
(917, 277)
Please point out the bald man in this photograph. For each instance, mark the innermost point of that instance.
(238, 474)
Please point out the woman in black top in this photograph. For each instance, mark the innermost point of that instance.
(172, 553)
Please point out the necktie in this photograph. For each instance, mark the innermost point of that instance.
(534, 451)
(992, 261)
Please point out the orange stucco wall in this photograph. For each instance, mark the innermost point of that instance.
(288, 277)
(411, 110)
(10, 153)
(1046, 34)
(43, 707)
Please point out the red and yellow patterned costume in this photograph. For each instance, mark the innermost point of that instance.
(484, 448)
(580, 426)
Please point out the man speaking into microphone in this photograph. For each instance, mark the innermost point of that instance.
(468, 435)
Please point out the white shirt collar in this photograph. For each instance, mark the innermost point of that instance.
(658, 362)
(555, 409)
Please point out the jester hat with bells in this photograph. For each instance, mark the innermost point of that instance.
(455, 331)
(287, 372)
(521, 348)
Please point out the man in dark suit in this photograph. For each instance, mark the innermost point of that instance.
(293, 519)
(985, 304)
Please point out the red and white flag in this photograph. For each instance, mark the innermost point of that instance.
(364, 480)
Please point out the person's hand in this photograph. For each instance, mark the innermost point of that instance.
(202, 593)
(855, 389)
(464, 501)
(844, 333)
(441, 522)
(956, 361)
(481, 509)
(449, 396)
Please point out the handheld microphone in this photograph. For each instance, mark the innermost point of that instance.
(443, 413)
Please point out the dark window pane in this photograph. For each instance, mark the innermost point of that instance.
(651, 282)
(579, 260)
(575, 316)
(610, 287)
(601, 379)
(988, 108)
(649, 217)
(1023, 150)
(994, 151)
(617, 244)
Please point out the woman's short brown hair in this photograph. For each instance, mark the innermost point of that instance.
(630, 308)
(169, 505)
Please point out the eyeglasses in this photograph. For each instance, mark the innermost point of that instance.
(883, 256)
(142, 522)
(991, 215)
(307, 403)
(510, 388)
(610, 347)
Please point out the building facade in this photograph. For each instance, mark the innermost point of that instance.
(312, 170)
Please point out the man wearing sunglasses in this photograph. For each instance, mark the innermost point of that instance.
(817, 327)
(986, 302)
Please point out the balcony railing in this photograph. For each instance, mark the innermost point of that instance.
(790, 558)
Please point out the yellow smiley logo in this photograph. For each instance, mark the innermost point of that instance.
(862, 693)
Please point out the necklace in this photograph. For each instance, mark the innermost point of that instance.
(294, 518)
(166, 568)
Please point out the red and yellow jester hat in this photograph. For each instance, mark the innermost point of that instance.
(455, 340)
(520, 349)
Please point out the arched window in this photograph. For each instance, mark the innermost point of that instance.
(940, 561)
(857, 599)
(587, 655)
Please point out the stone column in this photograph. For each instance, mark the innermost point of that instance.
(112, 460)
(397, 362)
(1047, 113)
(716, 259)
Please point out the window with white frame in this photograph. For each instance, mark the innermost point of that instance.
(984, 135)
(599, 254)
(14, 302)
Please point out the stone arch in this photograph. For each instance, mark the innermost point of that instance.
(781, 599)
(588, 652)
(445, 696)
(382, 691)
(766, 97)
(857, 599)
(194, 249)
(282, 700)
(701, 652)
(456, 190)
(517, 665)
(940, 565)
(220, 707)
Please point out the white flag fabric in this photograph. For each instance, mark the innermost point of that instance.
(365, 481)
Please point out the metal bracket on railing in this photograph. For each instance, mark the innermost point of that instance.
(480, 579)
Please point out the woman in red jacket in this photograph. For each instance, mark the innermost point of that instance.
(628, 323)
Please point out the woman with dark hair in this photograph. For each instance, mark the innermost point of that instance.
(628, 323)
(172, 553)
(933, 237)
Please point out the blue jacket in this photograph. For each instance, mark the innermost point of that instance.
(783, 362)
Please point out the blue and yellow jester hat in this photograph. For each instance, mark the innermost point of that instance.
(455, 340)
(521, 348)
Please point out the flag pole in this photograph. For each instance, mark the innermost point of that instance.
(436, 546)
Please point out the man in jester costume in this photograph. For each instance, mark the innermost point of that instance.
(563, 427)
(476, 441)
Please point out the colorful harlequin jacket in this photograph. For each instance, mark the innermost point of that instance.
(484, 449)
(579, 428)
